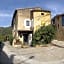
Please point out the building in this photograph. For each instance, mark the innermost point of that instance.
(26, 21)
(58, 21)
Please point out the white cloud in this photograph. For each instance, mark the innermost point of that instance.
(5, 15)
(55, 9)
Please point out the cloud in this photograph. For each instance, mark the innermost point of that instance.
(57, 11)
(5, 21)
(5, 18)
(5, 15)
(55, 8)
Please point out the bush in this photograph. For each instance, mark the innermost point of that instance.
(44, 35)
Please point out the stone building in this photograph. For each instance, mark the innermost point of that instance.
(26, 21)
(58, 21)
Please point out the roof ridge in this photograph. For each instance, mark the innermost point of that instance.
(28, 8)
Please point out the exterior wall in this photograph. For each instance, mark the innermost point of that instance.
(59, 27)
(40, 20)
(14, 29)
(22, 15)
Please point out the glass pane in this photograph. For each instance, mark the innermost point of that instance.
(27, 23)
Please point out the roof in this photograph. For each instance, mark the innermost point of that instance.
(41, 11)
(59, 15)
(29, 8)
(34, 9)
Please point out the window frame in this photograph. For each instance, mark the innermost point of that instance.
(25, 21)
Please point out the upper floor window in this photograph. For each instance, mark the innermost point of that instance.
(27, 23)
(62, 20)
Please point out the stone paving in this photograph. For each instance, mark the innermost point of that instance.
(58, 43)
(39, 55)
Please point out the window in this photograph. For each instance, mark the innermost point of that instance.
(27, 23)
(62, 20)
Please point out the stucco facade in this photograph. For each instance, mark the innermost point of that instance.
(40, 18)
(26, 21)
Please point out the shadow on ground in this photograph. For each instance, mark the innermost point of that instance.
(4, 59)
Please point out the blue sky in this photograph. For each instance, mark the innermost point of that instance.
(7, 8)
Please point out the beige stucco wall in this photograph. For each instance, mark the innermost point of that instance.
(40, 20)
(22, 15)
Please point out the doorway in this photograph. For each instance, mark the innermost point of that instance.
(25, 39)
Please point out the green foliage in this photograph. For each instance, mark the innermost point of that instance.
(10, 39)
(44, 35)
(5, 31)
(1, 38)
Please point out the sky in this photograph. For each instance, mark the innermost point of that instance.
(7, 8)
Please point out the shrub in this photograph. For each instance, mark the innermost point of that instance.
(44, 35)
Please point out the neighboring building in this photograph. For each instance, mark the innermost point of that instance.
(26, 21)
(58, 21)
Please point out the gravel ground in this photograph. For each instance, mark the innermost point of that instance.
(39, 55)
